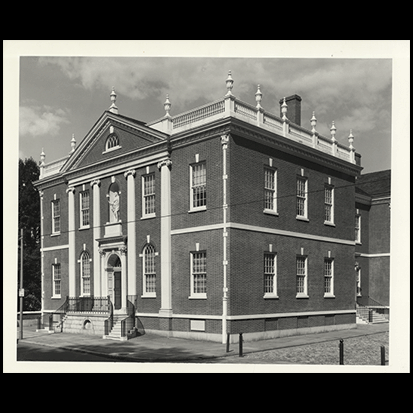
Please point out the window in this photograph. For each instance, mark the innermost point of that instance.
(270, 190)
(302, 184)
(358, 228)
(198, 186)
(112, 142)
(84, 209)
(148, 190)
(149, 274)
(302, 277)
(198, 275)
(56, 275)
(270, 280)
(85, 273)
(56, 216)
(329, 204)
(328, 277)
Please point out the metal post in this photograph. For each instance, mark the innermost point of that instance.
(240, 344)
(341, 347)
(370, 315)
(383, 355)
(21, 284)
(227, 349)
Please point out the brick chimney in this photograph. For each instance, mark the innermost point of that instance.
(294, 108)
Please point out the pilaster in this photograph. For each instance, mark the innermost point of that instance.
(97, 276)
(131, 219)
(166, 283)
(72, 252)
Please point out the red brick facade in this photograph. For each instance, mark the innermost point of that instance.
(250, 232)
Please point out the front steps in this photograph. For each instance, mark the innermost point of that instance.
(116, 331)
(365, 317)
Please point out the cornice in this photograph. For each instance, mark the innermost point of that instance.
(246, 130)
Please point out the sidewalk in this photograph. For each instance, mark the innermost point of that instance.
(150, 348)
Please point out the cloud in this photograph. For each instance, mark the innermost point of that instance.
(41, 120)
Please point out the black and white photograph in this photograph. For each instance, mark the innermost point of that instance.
(206, 206)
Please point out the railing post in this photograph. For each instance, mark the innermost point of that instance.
(341, 350)
(383, 355)
(227, 348)
(240, 344)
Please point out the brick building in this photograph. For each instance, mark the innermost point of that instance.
(223, 219)
(372, 235)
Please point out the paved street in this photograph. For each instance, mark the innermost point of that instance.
(36, 352)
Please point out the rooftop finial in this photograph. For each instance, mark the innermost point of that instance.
(42, 157)
(229, 83)
(73, 143)
(333, 132)
(258, 97)
(113, 108)
(284, 107)
(351, 139)
(167, 106)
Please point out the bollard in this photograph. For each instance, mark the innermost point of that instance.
(50, 322)
(227, 349)
(370, 315)
(240, 344)
(341, 347)
(383, 355)
(39, 321)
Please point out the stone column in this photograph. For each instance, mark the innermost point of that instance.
(166, 284)
(131, 225)
(97, 276)
(72, 252)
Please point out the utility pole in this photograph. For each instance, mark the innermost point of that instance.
(21, 291)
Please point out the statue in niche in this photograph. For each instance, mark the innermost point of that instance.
(114, 199)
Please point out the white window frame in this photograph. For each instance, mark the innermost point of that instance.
(269, 192)
(54, 217)
(83, 278)
(57, 282)
(147, 196)
(193, 294)
(302, 272)
(112, 138)
(329, 274)
(83, 210)
(357, 228)
(146, 272)
(304, 198)
(270, 273)
(193, 187)
(329, 204)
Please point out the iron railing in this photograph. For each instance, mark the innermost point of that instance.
(88, 304)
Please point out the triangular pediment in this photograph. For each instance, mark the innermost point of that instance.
(111, 136)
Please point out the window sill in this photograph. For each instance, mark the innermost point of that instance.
(111, 149)
(56, 297)
(55, 234)
(198, 297)
(271, 212)
(358, 243)
(270, 296)
(149, 216)
(329, 295)
(302, 295)
(330, 224)
(300, 218)
(84, 227)
(203, 208)
(148, 295)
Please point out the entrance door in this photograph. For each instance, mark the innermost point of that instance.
(117, 290)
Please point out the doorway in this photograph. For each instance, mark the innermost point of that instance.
(117, 290)
(114, 278)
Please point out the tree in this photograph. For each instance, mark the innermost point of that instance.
(29, 220)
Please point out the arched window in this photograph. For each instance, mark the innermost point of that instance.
(149, 273)
(112, 142)
(85, 274)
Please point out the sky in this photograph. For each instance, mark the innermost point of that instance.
(64, 95)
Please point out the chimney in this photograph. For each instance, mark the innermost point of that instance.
(294, 108)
